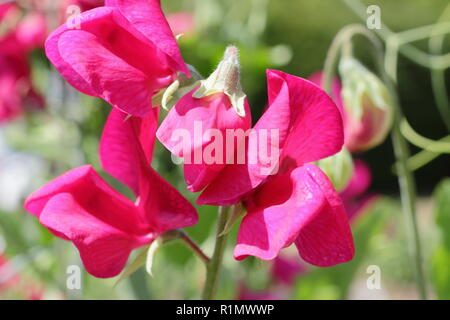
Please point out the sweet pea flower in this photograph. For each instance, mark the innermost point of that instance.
(21, 35)
(355, 196)
(123, 52)
(203, 116)
(81, 207)
(297, 203)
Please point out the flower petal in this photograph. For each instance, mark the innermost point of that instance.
(147, 17)
(308, 125)
(103, 248)
(316, 124)
(299, 206)
(95, 196)
(199, 122)
(164, 206)
(107, 59)
(127, 145)
(327, 239)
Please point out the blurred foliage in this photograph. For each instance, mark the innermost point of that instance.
(441, 256)
(290, 35)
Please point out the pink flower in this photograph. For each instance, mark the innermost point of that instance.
(123, 52)
(298, 204)
(104, 225)
(355, 197)
(13, 282)
(21, 37)
(204, 121)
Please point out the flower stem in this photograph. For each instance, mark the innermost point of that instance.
(213, 267)
(194, 246)
(407, 191)
(401, 150)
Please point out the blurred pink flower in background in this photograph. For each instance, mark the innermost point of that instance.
(285, 269)
(245, 293)
(11, 280)
(181, 23)
(19, 36)
(361, 132)
(355, 196)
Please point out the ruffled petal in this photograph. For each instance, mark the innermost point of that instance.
(104, 249)
(107, 58)
(95, 196)
(127, 145)
(302, 207)
(163, 205)
(147, 17)
(194, 126)
(316, 130)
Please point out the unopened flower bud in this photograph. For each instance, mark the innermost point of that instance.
(367, 104)
(226, 79)
(338, 168)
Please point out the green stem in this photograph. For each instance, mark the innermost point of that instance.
(405, 176)
(193, 246)
(213, 267)
(408, 198)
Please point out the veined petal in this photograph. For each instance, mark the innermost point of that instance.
(236, 180)
(127, 145)
(316, 129)
(95, 196)
(148, 18)
(104, 249)
(107, 58)
(327, 239)
(302, 207)
(195, 124)
(306, 125)
(164, 206)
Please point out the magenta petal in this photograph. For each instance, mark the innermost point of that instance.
(107, 58)
(238, 179)
(91, 192)
(193, 119)
(299, 206)
(148, 18)
(309, 127)
(327, 239)
(103, 248)
(127, 145)
(117, 82)
(316, 129)
(164, 206)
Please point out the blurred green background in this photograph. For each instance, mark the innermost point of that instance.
(289, 35)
